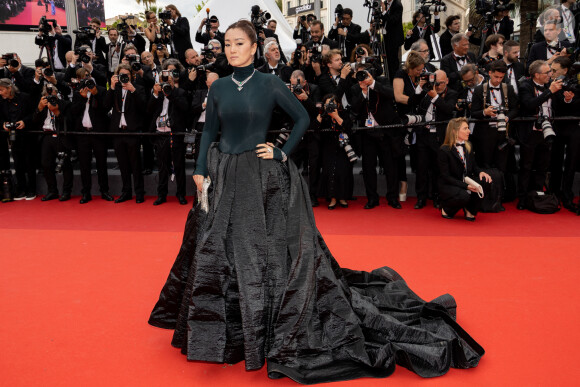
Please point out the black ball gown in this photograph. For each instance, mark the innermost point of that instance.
(255, 281)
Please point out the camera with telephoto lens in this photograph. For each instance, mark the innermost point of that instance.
(206, 67)
(165, 15)
(10, 58)
(167, 88)
(339, 14)
(123, 26)
(409, 119)
(361, 75)
(492, 7)
(11, 127)
(189, 140)
(259, 17)
(52, 99)
(543, 123)
(60, 158)
(7, 186)
(344, 143)
(134, 61)
(124, 78)
(430, 79)
(82, 52)
(429, 6)
(207, 52)
(501, 112)
(44, 27)
(49, 89)
(316, 51)
(85, 34)
(282, 136)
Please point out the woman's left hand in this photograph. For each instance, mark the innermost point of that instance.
(265, 151)
(483, 175)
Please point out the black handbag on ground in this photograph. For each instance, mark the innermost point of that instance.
(543, 202)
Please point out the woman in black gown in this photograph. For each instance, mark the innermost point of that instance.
(254, 279)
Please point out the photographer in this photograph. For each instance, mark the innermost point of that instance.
(345, 31)
(114, 50)
(373, 101)
(180, 32)
(273, 64)
(82, 57)
(494, 44)
(62, 44)
(212, 33)
(45, 75)
(566, 145)
(302, 29)
(50, 117)
(454, 61)
(170, 111)
(551, 48)
(421, 47)
(437, 105)
(89, 114)
(130, 36)
(336, 177)
(493, 99)
(152, 31)
(317, 37)
(132, 59)
(408, 85)
(422, 30)
(199, 104)
(539, 97)
(98, 44)
(470, 79)
(502, 24)
(127, 101)
(337, 79)
(16, 119)
(516, 69)
(11, 67)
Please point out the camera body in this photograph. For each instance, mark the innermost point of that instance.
(11, 127)
(330, 107)
(543, 123)
(189, 140)
(165, 15)
(52, 100)
(82, 52)
(462, 103)
(316, 51)
(344, 142)
(124, 78)
(339, 13)
(123, 26)
(85, 34)
(10, 58)
(60, 158)
(207, 52)
(430, 80)
(89, 83)
(135, 62)
(259, 17)
(297, 88)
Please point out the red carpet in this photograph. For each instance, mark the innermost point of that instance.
(33, 12)
(77, 283)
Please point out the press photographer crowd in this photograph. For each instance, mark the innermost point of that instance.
(483, 126)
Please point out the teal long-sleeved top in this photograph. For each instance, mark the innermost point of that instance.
(244, 116)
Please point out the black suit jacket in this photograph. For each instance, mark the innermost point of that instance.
(134, 107)
(449, 65)
(97, 111)
(393, 20)
(452, 171)
(415, 36)
(444, 108)
(109, 52)
(139, 43)
(351, 39)
(181, 38)
(331, 43)
(204, 38)
(64, 45)
(282, 71)
(539, 51)
(199, 97)
(23, 78)
(328, 86)
(445, 43)
(177, 110)
(519, 71)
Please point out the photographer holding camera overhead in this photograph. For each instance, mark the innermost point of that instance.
(212, 31)
(374, 101)
(89, 114)
(44, 74)
(302, 29)
(55, 146)
(539, 97)
(127, 101)
(62, 43)
(83, 58)
(170, 109)
(337, 154)
(179, 25)
(16, 118)
(91, 36)
(344, 31)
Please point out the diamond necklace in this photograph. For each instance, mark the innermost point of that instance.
(242, 83)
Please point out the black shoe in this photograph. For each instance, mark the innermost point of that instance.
(107, 196)
(86, 198)
(182, 200)
(420, 204)
(20, 196)
(314, 202)
(30, 196)
(332, 207)
(160, 200)
(123, 198)
(395, 204)
(521, 205)
(50, 196)
(470, 218)
(146, 172)
(343, 205)
(445, 216)
(370, 205)
(64, 197)
(139, 199)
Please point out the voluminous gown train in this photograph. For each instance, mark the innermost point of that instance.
(255, 281)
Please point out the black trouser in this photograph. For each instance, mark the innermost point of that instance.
(427, 165)
(372, 147)
(148, 152)
(487, 144)
(567, 142)
(23, 153)
(534, 162)
(393, 60)
(314, 163)
(170, 152)
(49, 149)
(87, 145)
(4, 152)
(128, 156)
(464, 199)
